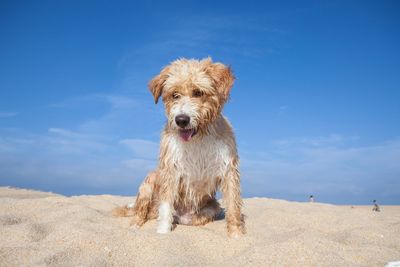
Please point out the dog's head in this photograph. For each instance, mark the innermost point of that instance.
(193, 92)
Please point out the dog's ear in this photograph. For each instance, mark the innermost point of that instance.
(222, 77)
(157, 83)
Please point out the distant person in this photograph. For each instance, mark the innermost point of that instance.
(376, 207)
(311, 199)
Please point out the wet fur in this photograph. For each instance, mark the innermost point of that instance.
(182, 189)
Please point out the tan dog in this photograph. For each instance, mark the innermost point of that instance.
(198, 152)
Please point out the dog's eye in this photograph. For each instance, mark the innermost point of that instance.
(197, 93)
(175, 96)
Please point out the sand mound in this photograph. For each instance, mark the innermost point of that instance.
(39, 228)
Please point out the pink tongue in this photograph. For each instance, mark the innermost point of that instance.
(186, 134)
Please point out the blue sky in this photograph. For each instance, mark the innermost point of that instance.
(315, 106)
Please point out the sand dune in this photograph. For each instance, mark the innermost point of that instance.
(40, 228)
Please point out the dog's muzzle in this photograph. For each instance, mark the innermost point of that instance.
(183, 121)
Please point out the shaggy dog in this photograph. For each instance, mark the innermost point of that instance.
(198, 152)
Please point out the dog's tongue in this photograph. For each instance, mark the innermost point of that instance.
(186, 134)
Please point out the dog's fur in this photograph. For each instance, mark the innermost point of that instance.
(197, 159)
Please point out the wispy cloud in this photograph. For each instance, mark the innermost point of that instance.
(114, 100)
(62, 141)
(282, 109)
(226, 36)
(63, 159)
(330, 140)
(8, 114)
(331, 167)
(104, 153)
(63, 132)
(118, 101)
(142, 148)
(140, 164)
(115, 151)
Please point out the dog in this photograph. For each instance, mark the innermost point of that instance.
(198, 153)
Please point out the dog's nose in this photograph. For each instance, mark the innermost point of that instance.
(182, 120)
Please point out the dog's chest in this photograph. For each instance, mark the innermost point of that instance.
(207, 158)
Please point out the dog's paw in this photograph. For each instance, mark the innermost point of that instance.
(235, 234)
(163, 231)
(164, 228)
(236, 231)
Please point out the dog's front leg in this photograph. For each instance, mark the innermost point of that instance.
(168, 193)
(230, 187)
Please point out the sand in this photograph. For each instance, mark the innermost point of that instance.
(40, 229)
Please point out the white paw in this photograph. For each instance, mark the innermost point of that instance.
(165, 218)
(163, 228)
(235, 235)
(236, 232)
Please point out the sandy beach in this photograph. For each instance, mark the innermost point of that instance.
(39, 228)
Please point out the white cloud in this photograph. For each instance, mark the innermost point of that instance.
(140, 164)
(118, 101)
(113, 100)
(142, 148)
(62, 141)
(330, 140)
(67, 159)
(92, 154)
(62, 132)
(87, 157)
(283, 107)
(8, 114)
(326, 166)
(196, 36)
